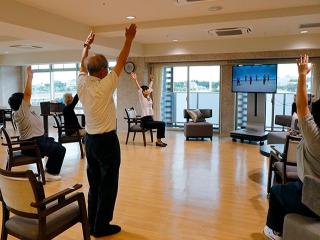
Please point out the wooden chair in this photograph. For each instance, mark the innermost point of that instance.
(63, 138)
(17, 158)
(8, 117)
(2, 121)
(134, 125)
(284, 165)
(35, 216)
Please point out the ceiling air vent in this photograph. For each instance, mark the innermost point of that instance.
(310, 25)
(229, 31)
(182, 2)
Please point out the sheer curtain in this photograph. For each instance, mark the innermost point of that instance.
(157, 71)
(316, 78)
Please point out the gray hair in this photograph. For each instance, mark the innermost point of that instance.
(67, 98)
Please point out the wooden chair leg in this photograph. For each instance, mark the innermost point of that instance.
(84, 219)
(5, 217)
(41, 172)
(13, 125)
(144, 139)
(134, 135)
(81, 149)
(127, 137)
(271, 161)
(151, 134)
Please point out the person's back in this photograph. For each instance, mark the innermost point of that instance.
(308, 151)
(28, 122)
(70, 119)
(31, 128)
(97, 102)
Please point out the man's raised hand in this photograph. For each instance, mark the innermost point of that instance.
(302, 63)
(29, 71)
(90, 39)
(131, 32)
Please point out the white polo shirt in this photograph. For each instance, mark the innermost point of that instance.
(96, 96)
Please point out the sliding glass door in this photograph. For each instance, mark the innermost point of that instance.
(191, 86)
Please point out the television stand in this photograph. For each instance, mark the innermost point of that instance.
(251, 135)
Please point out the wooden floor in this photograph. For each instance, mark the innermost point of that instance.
(195, 190)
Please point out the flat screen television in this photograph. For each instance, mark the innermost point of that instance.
(258, 78)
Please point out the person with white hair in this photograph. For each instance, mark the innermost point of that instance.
(70, 119)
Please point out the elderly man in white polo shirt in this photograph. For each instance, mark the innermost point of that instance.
(95, 92)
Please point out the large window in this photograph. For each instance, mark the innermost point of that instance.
(286, 90)
(51, 81)
(190, 86)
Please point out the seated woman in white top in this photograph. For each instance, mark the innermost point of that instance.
(147, 111)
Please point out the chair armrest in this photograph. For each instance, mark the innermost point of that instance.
(60, 196)
(311, 193)
(27, 143)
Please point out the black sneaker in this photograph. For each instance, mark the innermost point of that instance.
(161, 144)
(106, 231)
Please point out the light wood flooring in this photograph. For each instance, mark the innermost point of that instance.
(190, 190)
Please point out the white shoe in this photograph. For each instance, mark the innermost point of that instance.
(270, 234)
(51, 177)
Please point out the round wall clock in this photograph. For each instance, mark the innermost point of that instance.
(129, 67)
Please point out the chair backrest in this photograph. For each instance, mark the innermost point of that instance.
(8, 140)
(2, 116)
(58, 123)
(206, 113)
(19, 190)
(131, 113)
(311, 193)
(290, 148)
(8, 114)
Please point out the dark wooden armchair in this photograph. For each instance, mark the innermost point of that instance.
(8, 117)
(134, 125)
(35, 216)
(63, 138)
(284, 165)
(17, 158)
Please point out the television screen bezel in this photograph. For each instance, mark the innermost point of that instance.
(238, 65)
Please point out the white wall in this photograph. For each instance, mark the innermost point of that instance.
(10, 82)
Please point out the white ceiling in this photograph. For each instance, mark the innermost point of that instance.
(62, 25)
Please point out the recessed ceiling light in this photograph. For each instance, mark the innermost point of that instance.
(175, 40)
(214, 8)
(24, 46)
(130, 17)
(304, 31)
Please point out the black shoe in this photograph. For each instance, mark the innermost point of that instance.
(162, 144)
(106, 231)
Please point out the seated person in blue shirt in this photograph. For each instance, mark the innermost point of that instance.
(70, 119)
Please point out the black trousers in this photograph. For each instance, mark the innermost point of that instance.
(149, 123)
(53, 150)
(285, 199)
(103, 156)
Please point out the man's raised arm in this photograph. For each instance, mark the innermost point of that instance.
(122, 58)
(28, 89)
(85, 51)
(302, 98)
